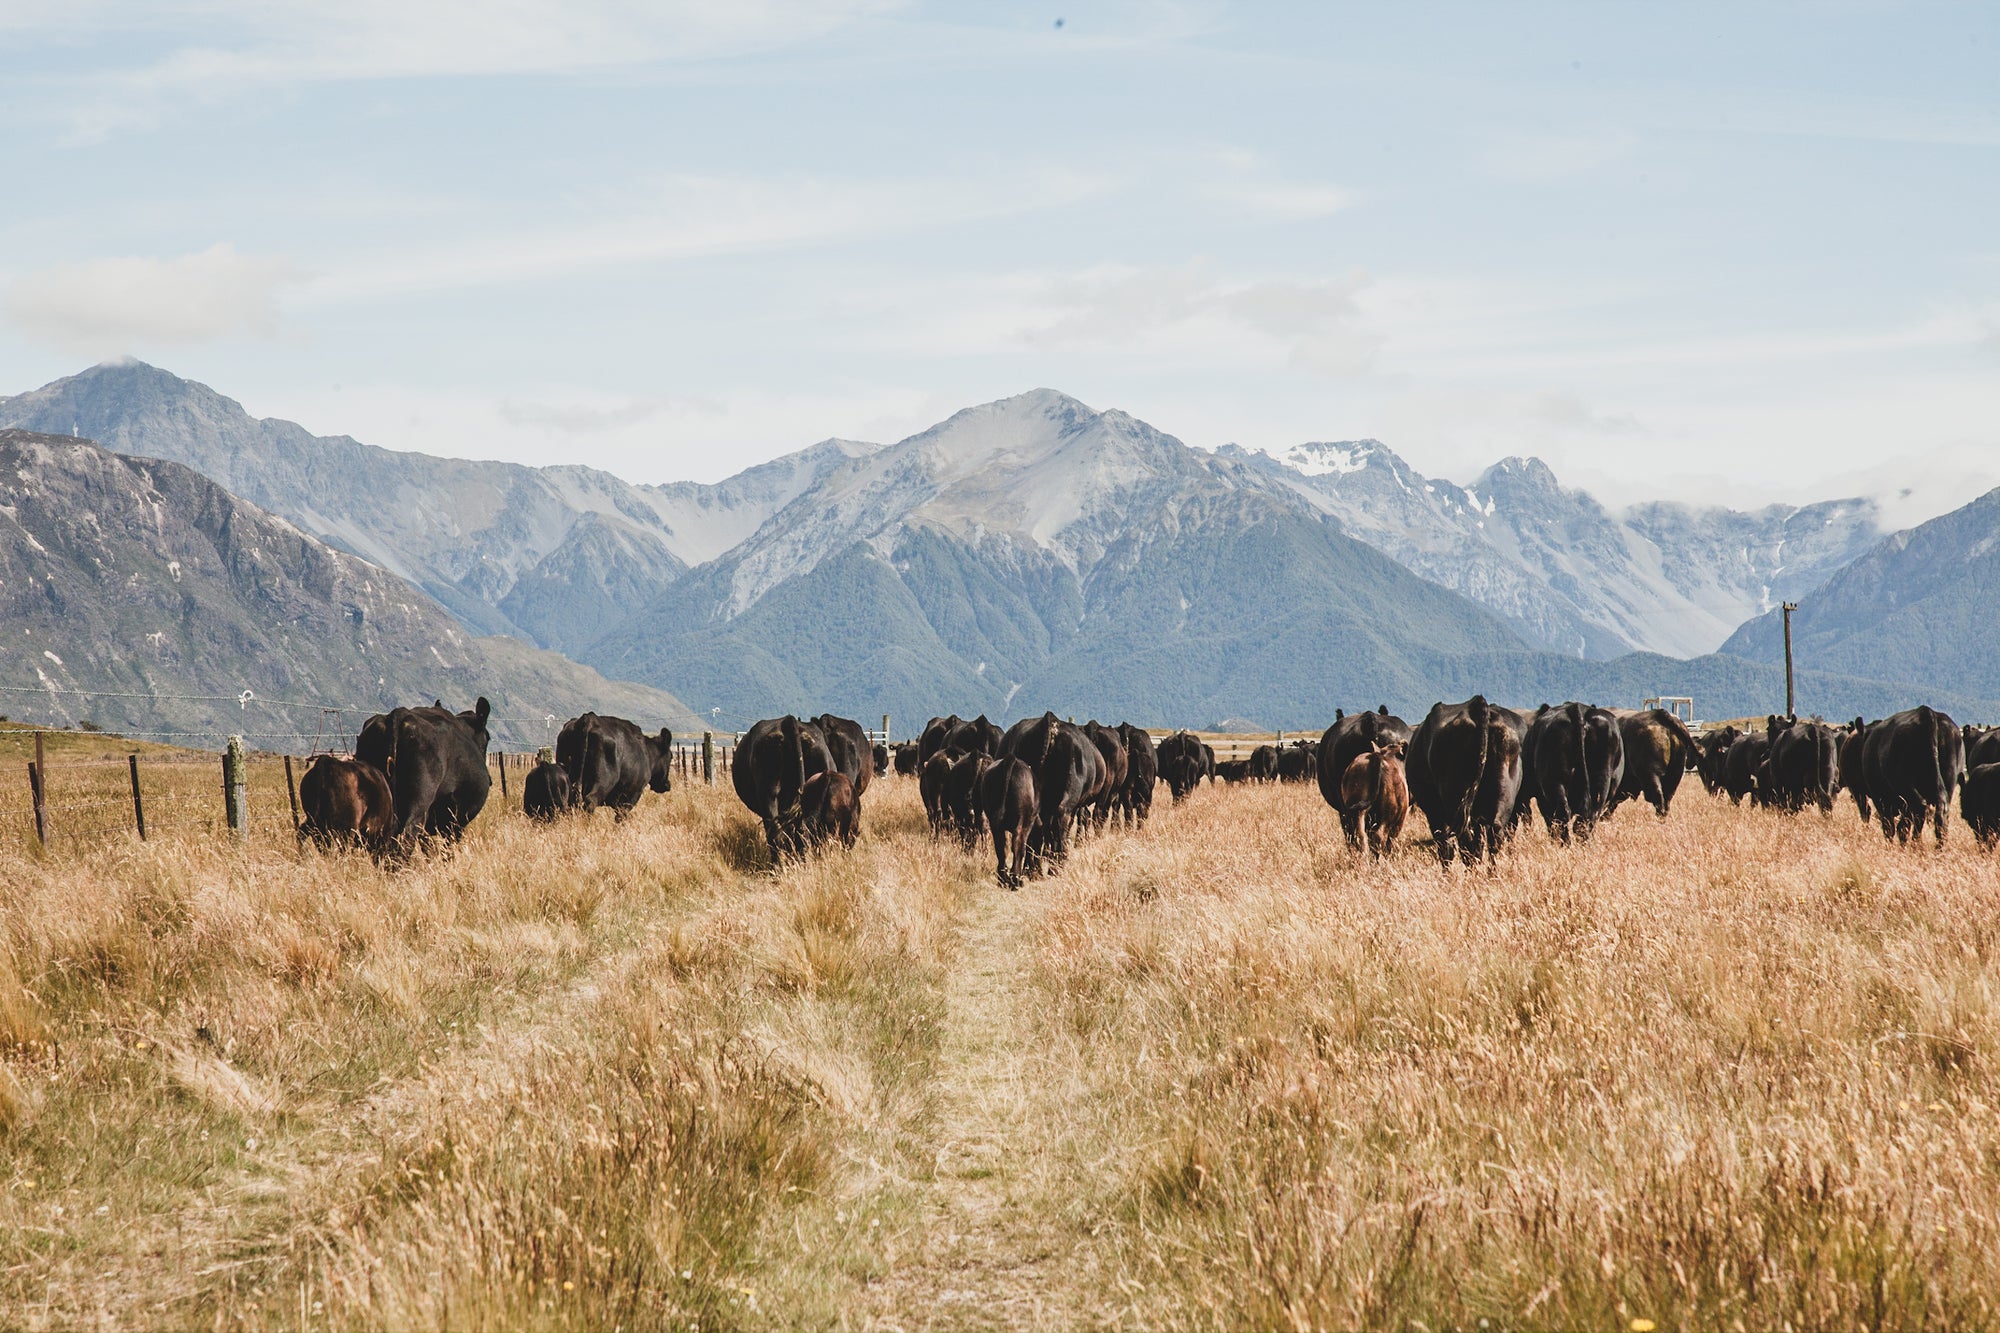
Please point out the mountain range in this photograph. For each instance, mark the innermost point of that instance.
(1036, 552)
(166, 597)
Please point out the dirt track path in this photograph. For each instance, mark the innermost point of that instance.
(993, 1251)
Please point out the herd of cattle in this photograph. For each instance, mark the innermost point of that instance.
(1475, 770)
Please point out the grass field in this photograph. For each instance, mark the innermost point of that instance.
(1730, 1070)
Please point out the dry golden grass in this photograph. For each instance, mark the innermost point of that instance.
(1729, 1069)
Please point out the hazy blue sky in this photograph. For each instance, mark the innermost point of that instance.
(1659, 245)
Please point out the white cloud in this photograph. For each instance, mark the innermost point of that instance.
(113, 305)
(222, 48)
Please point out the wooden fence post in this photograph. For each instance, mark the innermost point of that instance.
(503, 777)
(708, 757)
(292, 790)
(38, 783)
(234, 786)
(138, 805)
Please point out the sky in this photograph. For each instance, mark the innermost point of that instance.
(1741, 251)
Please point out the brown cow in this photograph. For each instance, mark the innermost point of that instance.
(829, 808)
(1373, 792)
(346, 803)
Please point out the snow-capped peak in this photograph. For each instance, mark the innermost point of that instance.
(1321, 459)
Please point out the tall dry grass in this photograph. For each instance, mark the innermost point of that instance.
(1732, 1069)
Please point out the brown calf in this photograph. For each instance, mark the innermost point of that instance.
(830, 808)
(1373, 793)
(345, 802)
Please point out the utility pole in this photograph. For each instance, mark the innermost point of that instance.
(1788, 608)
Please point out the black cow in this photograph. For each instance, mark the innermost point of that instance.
(1007, 797)
(828, 809)
(545, 792)
(1712, 758)
(1142, 774)
(1982, 746)
(909, 758)
(1183, 761)
(773, 761)
(1298, 762)
(1464, 772)
(962, 807)
(1746, 769)
(1853, 777)
(935, 734)
(435, 761)
(978, 736)
(881, 761)
(1911, 763)
(932, 779)
(345, 803)
(1117, 766)
(1979, 802)
(1805, 764)
(1069, 774)
(1352, 735)
(1233, 770)
(1658, 750)
(1573, 760)
(1263, 764)
(853, 753)
(611, 762)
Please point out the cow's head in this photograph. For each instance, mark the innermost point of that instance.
(660, 754)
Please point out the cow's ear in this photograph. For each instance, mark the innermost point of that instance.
(666, 736)
(482, 710)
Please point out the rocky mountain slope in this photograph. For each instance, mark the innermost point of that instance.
(1919, 606)
(1569, 574)
(143, 578)
(1034, 551)
(556, 555)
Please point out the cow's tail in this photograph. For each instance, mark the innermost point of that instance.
(1929, 719)
(1481, 719)
(1581, 759)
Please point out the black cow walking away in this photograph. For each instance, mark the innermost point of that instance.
(978, 736)
(1069, 774)
(1853, 776)
(1805, 764)
(829, 809)
(1573, 760)
(1007, 797)
(853, 753)
(1979, 802)
(881, 761)
(1746, 769)
(545, 792)
(1298, 762)
(345, 803)
(932, 780)
(1184, 761)
(909, 758)
(1464, 772)
(773, 761)
(1142, 774)
(1354, 734)
(936, 733)
(1263, 764)
(1233, 770)
(1658, 750)
(1982, 745)
(611, 762)
(435, 761)
(1117, 765)
(1911, 763)
(1712, 758)
(962, 808)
